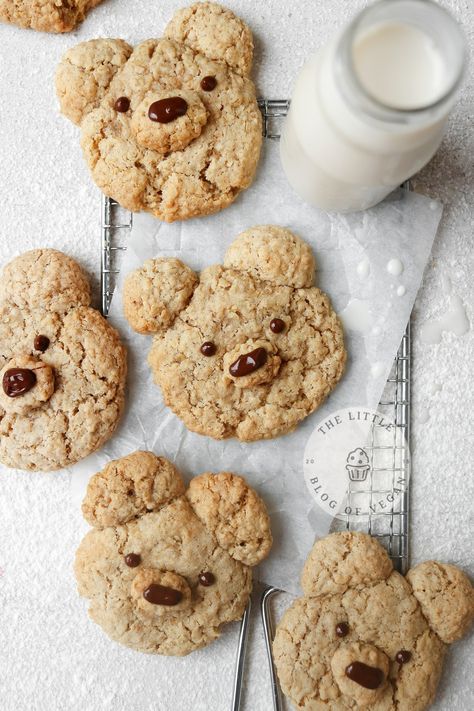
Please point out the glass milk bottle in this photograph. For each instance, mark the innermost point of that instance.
(369, 109)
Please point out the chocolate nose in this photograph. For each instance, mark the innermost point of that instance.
(18, 381)
(362, 674)
(168, 109)
(26, 384)
(162, 595)
(248, 363)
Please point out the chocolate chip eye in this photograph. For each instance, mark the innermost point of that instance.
(132, 560)
(206, 579)
(342, 629)
(167, 110)
(403, 656)
(277, 325)
(208, 83)
(208, 348)
(122, 104)
(41, 343)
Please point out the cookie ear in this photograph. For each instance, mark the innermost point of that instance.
(84, 74)
(234, 513)
(342, 561)
(446, 597)
(44, 279)
(272, 254)
(154, 294)
(216, 32)
(130, 487)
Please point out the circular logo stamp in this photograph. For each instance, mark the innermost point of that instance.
(357, 463)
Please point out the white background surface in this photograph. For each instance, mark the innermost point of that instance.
(51, 657)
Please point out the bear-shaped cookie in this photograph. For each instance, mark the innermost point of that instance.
(46, 15)
(171, 126)
(364, 636)
(164, 566)
(62, 367)
(246, 349)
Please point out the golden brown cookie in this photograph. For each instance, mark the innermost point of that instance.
(62, 367)
(171, 126)
(46, 15)
(165, 568)
(363, 636)
(247, 349)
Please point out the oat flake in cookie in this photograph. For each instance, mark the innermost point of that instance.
(363, 636)
(46, 15)
(171, 126)
(246, 349)
(164, 566)
(62, 367)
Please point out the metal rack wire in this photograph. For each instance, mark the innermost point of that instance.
(390, 527)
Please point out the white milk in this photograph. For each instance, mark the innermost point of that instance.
(369, 109)
(400, 66)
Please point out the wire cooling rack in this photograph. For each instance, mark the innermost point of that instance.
(390, 526)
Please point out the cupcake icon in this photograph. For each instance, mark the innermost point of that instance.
(357, 465)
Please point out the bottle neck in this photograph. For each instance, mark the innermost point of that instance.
(400, 93)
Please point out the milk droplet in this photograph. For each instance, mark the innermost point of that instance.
(363, 269)
(356, 316)
(395, 267)
(376, 330)
(435, 388)
(453, 321)
(377, 369)
(433, 205)
(401, 291)
(424, 416)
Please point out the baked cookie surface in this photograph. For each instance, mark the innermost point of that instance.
(246, 349)
(165, 567)
(364, 636)
(46, 15)
(171, 126)
(62, 367)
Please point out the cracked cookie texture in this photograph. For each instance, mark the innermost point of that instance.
(71, 359)
(164, 567)
(363, 636)
(260, 301)
(174, 165)
(46, 15)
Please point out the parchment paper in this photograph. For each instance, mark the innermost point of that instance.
(402, 227)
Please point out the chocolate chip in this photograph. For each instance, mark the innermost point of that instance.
(206, 579)
(208, 83)
(167, 110)
(132, 559)
(18, 381)
(248, 363)
(277, 325)
(403, 656)
(342, 629)
(41, 343)
(368, 677)
(122, 104)
(161, 595)
(208, 348)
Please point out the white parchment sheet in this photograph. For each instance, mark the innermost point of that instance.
(352, 254)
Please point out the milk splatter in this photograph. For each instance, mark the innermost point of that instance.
(356, 316)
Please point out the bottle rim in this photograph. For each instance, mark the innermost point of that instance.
(360, 98)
